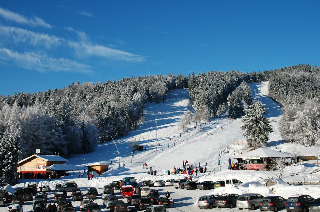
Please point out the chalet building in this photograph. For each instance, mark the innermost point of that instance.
(36, 165)
(100, 168)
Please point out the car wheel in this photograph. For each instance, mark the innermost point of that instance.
(231, 205)
(210, 206)
(304, 210)
(253, 207)
(182, 186)
(275, 209)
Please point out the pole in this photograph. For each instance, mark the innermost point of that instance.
(156, 131)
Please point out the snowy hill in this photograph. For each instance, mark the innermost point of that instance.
(166, 146)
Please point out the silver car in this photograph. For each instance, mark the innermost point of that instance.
(159, 183)
(207, 201)
(108, 201)
(251, 201)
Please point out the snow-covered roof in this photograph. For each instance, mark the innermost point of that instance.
(52, 158)
(62, 167)
(264, 153)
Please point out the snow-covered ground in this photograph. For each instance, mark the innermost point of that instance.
(167, 146)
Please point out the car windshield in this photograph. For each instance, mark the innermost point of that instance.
(127, 189)
(202, 198)
(243, 198)
(293, 199)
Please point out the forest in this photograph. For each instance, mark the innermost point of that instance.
(74, 119)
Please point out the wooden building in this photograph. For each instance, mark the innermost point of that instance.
(38, 164)
(100, 168)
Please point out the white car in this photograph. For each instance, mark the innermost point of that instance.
(169, 182)
(145, 191)
(159, 183)
(15, 208)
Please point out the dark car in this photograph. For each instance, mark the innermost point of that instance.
(115, 185)
(218, 184)
(18, 192)
(205, 185)
(5, 196)
(299, 203)
(27, 196)
(17, 199)
(164, 201)
(67, 207)
(39, 206)
(315, 206)
(134, 200)
(191, 185)
(77, 196)
(119, 206)
(147, 183)
(272, 203)
(84, 203)
(108, 201)
(59, 196)
(226, 201)
(69, 186)
(33, 187)
(107, 191)
(92, 193)
(63, 204)
(137, 189)
(153, 195)
(144, 203)
(93, 207)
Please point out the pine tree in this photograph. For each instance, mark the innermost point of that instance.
(256, 126)
(85, 143)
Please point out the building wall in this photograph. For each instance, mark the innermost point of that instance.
(36, 164)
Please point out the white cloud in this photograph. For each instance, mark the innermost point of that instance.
(32, 38)
(12, 16)
(86, 14)
(42, 63)
(86, 48)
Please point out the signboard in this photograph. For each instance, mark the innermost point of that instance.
(41, 166)
(37, 151)
(254, 166)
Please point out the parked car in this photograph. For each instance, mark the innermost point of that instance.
(65, 206)
(299, 203)
(156, 208)
(108, 190)
(38, 205)
(315, 206)
(147, 183)
(226, 201)
(191, 185)
(5, 197)
(134, 200)
(77, 196)
(219, 184)
(175, 183)
(164, 201)
(145, 191)
(118, 206)
(15, 208)
(127, 191)
(61, 204)
(181, 184)
(93, 207)
(137, 189)
(45, 188)
(153, 195)
(232, 182)
(27, 196)
(33, 186)
(92, 193)
(205, 185)
(272, 203)
(159, 183)
(69, 186)
(17, 199)
(251, 201)
(84, 203)
(108, 201)
(169, 182)
(2, 202)
(115, 184)
(144, 203)
(207, 201)
(59, 196)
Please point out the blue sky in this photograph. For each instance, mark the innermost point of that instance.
(50, 44)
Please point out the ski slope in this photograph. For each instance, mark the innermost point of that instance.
(167, 146)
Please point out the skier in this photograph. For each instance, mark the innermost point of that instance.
(167, 194)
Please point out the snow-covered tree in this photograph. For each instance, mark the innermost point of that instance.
(256, 126)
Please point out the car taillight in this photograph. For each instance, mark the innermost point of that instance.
(115, 207)
(160, 203)
(140, 204)
(298, 204)
(216, 200)
(206, 201)
(286, 203)
(248, 202)
(270, 203)
(260, 203)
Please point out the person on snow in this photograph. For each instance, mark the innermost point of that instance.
(167, 194)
